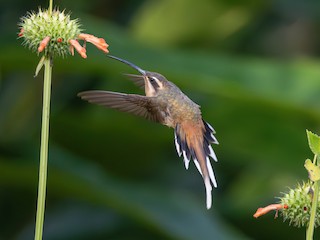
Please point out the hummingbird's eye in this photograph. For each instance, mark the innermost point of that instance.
(154, 82)
(152, 79)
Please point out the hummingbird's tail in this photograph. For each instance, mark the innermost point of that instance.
(194, 141)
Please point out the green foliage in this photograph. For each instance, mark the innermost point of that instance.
(314, 142)
(313, 170)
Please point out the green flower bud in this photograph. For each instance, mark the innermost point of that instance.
(299, 201)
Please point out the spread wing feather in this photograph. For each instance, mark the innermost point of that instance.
(131, 103)
(137, 79)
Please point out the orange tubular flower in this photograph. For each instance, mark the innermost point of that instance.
(43, 44)
(100, 43)
(265, 210)
(81, 50)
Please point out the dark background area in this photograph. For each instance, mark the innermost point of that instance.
(253, 66)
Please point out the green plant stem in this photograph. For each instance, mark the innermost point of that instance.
(50, 6)
(43, 149)
(315, 159)
(310, 229)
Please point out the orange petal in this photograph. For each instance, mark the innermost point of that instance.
(71, 49)
(265, 210)
(100, 43)
(84, 36)
(78, 47)
(43, 44)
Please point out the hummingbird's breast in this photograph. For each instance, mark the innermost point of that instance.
(179, 108)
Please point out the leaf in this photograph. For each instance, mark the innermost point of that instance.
(39, 66)
(314, 142)
(313, 170)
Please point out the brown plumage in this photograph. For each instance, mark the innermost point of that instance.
(167, 104)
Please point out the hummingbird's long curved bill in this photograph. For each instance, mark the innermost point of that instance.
(128, 63)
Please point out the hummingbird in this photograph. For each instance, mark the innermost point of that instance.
(165, 103)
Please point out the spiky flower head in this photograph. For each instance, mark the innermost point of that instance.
(55, 33)
(58, 26)
(299, 201)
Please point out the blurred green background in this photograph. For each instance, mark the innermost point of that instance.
(253, 66)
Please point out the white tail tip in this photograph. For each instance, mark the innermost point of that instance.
(186, 160)
(208, 192)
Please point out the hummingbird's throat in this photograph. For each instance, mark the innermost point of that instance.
(149, 88)
(152, 85)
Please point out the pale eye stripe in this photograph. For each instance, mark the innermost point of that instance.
(157, 81)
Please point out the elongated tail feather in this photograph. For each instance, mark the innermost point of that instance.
(193, 141)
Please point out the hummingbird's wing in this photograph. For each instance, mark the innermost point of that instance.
(137, 79)
(136, 104)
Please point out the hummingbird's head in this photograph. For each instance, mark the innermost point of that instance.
(153, 82)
